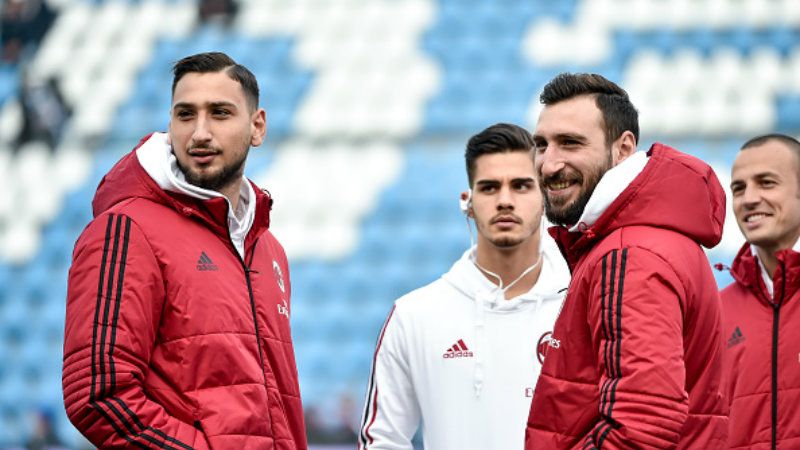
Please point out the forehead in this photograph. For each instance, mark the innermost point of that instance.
(202, 88)
(497, 166)
(769, 158)
(577, 115)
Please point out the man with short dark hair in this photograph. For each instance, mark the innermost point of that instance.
(761, 307)
(460, 354)
(177, 328)
(638, 361)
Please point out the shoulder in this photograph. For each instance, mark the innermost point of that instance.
(268, 240)
(147, 214)
(427, 299)
(735, 294)
(676, 250)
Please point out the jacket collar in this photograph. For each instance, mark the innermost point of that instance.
(657, 197)
(746, 270)
(128, 180)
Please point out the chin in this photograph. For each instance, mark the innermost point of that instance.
(760, 241)
(506, 242)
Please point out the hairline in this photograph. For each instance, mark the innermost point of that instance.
(504, 151)
(228, 70)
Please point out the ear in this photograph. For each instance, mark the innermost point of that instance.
(624, 146)
(258, 126)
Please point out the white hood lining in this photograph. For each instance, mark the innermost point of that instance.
(156, 157)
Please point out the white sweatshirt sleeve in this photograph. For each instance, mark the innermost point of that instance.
(391, 411)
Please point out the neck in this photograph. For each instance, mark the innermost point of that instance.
(509, 264)
(768, 259)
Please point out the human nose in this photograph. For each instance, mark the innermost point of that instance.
(751, 196)
(549, 161)
(201, 133)
(504, 198)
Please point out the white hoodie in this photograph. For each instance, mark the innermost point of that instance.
(156, 157)
(457, 358)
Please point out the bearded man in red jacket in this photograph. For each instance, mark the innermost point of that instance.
(761, 307)
(635, 356)
(177, 327)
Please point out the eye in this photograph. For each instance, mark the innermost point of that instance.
(184, 114)
(221, 112)
(487, 189)
(522, 187)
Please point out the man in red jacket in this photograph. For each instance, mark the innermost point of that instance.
(177, 328)
(635, 356)
(761, 308)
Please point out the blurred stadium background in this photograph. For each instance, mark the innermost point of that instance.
(369, 103)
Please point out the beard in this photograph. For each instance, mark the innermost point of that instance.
(505, 242)
(563, 213)
(216, 180)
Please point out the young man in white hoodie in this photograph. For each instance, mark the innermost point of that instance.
(460, 356)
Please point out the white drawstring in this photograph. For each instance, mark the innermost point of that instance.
(503, 289)
(480, 310)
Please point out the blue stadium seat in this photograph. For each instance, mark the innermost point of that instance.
(788, 113)
(8, 82)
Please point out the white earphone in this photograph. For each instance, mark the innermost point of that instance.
(465, 203)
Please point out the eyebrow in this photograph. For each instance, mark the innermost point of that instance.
(758, 176)
(513, 180)
(210, 104)
(561, 136)
(578, 137)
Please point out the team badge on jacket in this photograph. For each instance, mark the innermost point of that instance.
(276, 269)
(546, 342)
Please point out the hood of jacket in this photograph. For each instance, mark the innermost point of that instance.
(465, 277)
(674, 191)
(746, 270)
(128, 180)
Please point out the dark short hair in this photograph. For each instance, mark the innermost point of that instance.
(212, 62)
(619, 114)
(498, 138)
(784, 139)
(791, 143)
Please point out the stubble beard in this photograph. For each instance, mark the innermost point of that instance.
(569, 214)
(216, 181)
(505, 242)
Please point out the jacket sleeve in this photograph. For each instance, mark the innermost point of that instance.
(115, 296)
(636, 320)
(391, 411)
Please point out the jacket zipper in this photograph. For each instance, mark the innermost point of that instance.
(247, 272)
(776, 314)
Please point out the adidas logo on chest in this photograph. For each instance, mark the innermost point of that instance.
(458, 350)
(204, 263)
(736, 338)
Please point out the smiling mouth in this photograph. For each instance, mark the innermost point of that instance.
(559, 185)
(755, 217)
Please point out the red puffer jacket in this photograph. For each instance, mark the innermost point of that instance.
(172, 340)
(635, 356)
(763, 353)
